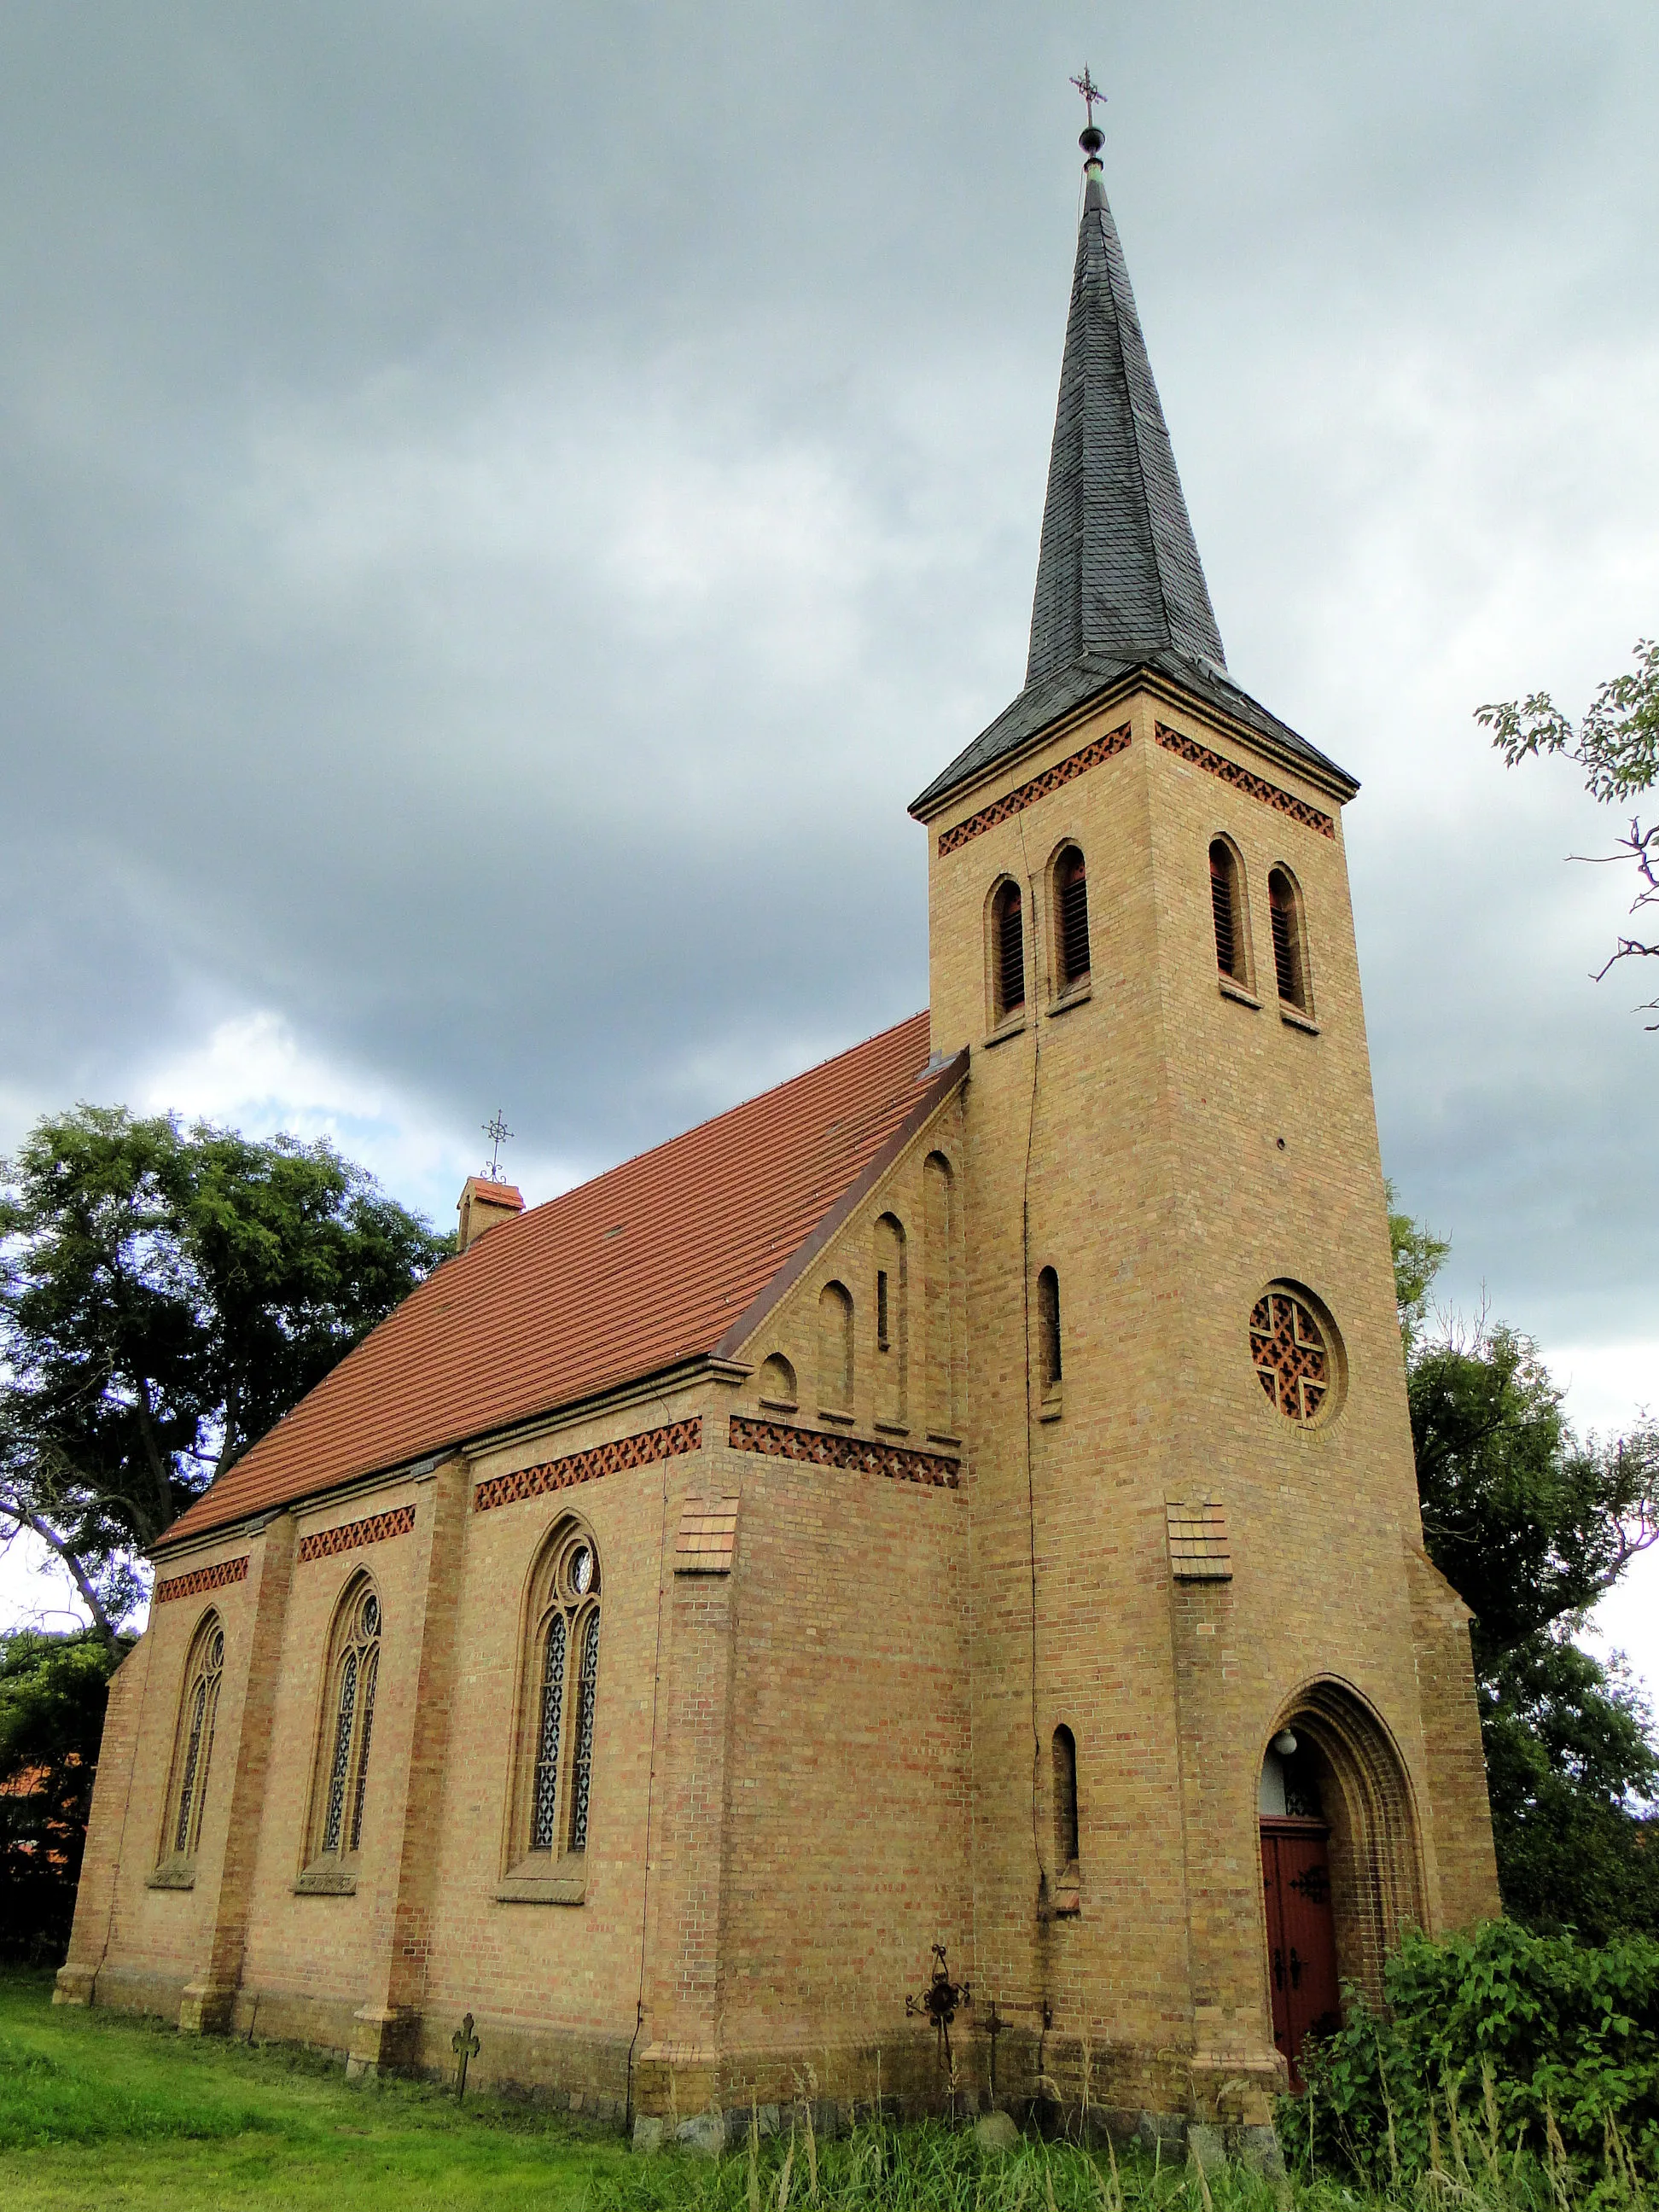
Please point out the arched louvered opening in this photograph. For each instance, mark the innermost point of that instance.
(1070, 894)
(1007, 952)
(1290, 947)
(1227, 911)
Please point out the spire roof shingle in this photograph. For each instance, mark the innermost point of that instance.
(1120, 584)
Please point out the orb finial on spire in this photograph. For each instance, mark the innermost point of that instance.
(1090, 138)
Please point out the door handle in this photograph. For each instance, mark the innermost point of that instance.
(1296, 1969)
(1279, 1967)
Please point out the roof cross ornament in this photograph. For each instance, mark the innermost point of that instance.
(1091, 139)
(498, 1133)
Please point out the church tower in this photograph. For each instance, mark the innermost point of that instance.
(1226, 1743)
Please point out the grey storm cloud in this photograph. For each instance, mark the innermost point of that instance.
(502, 506)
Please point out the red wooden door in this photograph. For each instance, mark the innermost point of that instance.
(1296, 1879)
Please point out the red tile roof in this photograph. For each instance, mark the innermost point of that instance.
(674, 1254)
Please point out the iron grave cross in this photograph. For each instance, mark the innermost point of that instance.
(465, 2046)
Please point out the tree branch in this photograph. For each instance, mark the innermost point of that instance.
(49, 1536)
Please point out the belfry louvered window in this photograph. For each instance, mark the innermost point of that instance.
(1290, 951)
(354, 1671)
(193, 1757)
(563, 1677)
(1007, 952)
(1227, 910)
(1071, 919)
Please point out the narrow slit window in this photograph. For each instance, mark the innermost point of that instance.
(1226, 907)
(1048, 1363)
(1071, 914)
(1289, 963)
(1066, 1827)
(1008, 952)
(883, 1341)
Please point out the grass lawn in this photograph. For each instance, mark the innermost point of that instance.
(101, 2110)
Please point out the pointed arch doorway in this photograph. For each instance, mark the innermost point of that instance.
(1339, 1870)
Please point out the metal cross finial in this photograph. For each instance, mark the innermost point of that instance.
(465, 2045)
(1091, 91)
(498, 1133)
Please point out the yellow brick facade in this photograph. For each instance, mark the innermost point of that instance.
(827, 1745)
(905, 1638)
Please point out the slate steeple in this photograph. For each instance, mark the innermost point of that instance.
(1120, 585)
(1119, 574)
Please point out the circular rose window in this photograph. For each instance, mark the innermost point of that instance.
(1295, 1355)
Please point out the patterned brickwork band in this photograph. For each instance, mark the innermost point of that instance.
(1198, 1549)
(779, 1441)
(199, 1579)
(1102, 749)
(588, 1465)
(352, 1536)
(1242, 780)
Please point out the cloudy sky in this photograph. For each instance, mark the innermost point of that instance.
(502, 507)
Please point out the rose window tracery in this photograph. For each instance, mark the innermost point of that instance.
(1293, 1361)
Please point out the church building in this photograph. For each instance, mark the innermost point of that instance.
(961, 1498)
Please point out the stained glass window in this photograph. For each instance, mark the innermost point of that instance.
(582, 1772)
(544, 1822)
(355, 1661)
(198, 1712)
(562, 1676)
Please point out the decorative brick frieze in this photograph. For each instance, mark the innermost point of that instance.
(1101, 749)
(1199, 1548)
(641, 1450)
(352, 1536)
(708, 1536)
(778, 1440)
(1242, 779)
(218, 1576)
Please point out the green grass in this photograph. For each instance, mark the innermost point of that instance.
(100, 2110)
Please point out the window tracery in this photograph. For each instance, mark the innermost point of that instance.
(1295, 1355)
(354, 1668)
(562, 1682)
(193, 1759)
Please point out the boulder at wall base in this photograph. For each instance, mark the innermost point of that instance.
(996, 2131)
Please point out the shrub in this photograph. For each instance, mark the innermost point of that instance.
(1490, 2047)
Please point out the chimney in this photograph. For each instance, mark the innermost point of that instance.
(481, 1205)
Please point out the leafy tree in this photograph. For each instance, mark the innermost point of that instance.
(165, 1296)
(1617, 746)
(52, 1693)
(1531, 1525)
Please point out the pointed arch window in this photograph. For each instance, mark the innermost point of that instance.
(835, 1349)
(192, 1755)
(1007, 952)
(1071, 919)
(1049, 1356)
(1227, 912)
(345, 1740)
(1290, 944)
(1065, 1822)
(553, 1796)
